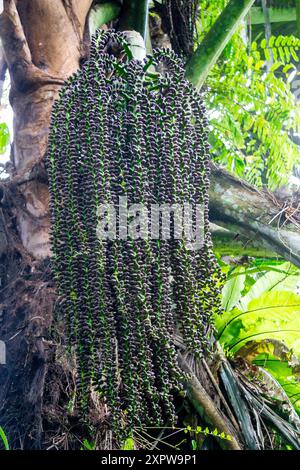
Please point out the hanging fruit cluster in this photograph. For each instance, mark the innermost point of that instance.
(118, 130)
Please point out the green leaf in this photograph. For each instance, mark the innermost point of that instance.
(4, 137)
(232, 290)
(237, 401)
(271, 41)
(272, 315)
(127, 50)
(267, 54)
(4, 438)
(88, 445)
(128, 444)
(294, 55)
(284, 279)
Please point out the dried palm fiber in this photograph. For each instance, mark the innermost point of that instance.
(119, 131)
(179, 21)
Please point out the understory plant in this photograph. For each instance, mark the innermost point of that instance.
(259, 333)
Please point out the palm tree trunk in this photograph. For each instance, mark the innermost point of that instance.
(43, 44)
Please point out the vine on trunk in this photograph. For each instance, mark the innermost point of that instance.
(118, 130)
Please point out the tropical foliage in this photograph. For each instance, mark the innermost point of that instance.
(261, 325)
(253, 112)
(4, 137)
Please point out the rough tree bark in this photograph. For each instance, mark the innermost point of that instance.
(3, 68)
(44, 42)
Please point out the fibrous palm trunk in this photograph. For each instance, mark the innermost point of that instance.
(43, 44)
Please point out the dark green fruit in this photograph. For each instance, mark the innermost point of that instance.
(118, 130)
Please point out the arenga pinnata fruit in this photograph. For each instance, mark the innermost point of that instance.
(119, 130)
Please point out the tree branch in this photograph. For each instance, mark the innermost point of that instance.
(228, 243)
(241, 208)
(208, 52)
(80, 8)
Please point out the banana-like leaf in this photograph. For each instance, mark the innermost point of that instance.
(232, 290)
(285, 279)
(272, 315)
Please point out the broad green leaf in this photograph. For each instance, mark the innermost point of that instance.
(233, 288)
(272, 315)
(285, 279)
